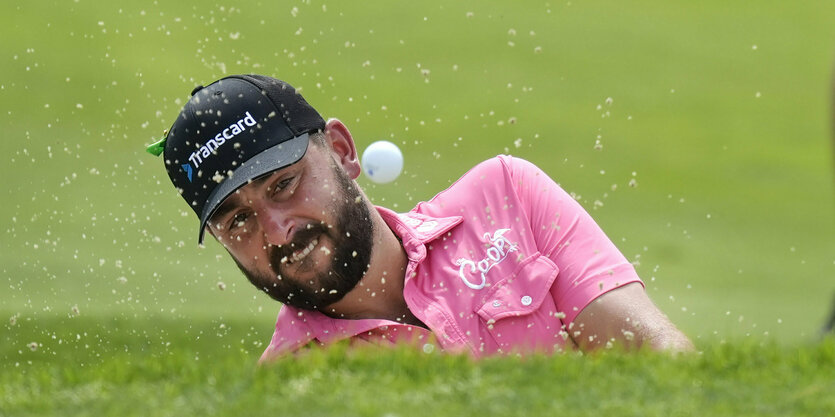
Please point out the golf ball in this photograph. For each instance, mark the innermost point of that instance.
(382, 161)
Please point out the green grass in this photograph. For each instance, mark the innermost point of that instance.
(160, 367)
(720, 112)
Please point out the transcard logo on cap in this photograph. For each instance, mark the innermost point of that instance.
(207, 150)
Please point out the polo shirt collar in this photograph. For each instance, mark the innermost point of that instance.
(415, 229)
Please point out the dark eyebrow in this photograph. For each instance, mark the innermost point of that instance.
(229, 203)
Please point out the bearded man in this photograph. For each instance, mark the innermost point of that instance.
(504, 261)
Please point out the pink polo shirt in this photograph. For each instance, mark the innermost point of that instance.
(500, 262)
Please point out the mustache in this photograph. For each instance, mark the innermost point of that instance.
(301, 239)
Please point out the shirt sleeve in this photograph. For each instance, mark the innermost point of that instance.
(589, 263)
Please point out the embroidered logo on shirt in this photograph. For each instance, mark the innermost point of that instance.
(499, 248)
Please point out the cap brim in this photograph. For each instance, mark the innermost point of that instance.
(269, 160)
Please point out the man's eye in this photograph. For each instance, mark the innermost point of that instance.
(283, 184)
(238, 221)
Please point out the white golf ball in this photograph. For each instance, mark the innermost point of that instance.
(382, 161)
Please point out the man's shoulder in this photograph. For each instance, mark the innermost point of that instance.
(494, 165)
(494, 173)
(499, 165)
(488, 171)
(486, 181)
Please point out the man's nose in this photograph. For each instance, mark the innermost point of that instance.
(277, 227)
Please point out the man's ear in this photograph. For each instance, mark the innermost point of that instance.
(343, 149)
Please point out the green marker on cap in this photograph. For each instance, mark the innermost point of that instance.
(157, 147)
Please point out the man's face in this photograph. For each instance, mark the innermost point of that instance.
(303, 234)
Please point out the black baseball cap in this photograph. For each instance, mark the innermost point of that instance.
(231, 132)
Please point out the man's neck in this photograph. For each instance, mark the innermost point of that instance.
(379, 294)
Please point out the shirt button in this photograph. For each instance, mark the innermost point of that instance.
(428, 348)
(527, 300)
(497, 303)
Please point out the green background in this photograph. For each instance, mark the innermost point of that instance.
(719, 112)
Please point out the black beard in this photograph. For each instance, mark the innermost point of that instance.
(346, 268)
